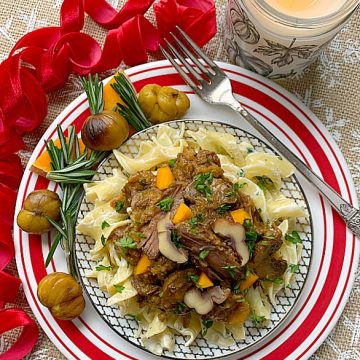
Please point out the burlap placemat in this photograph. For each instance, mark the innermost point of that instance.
(330, 88)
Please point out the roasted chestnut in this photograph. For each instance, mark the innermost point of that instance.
(163, 103)
(38, 205)
(62, 294)
(104, 131)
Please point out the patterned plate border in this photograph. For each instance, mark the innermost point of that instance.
(326, 293)
(125, 327)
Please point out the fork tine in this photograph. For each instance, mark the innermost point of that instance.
(197, 50)
(193, 58)
(178, 68)
(183, 61)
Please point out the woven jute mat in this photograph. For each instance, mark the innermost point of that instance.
(330, 88)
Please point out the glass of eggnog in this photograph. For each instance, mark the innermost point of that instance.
(280, 38)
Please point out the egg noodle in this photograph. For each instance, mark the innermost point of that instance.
(241, 163)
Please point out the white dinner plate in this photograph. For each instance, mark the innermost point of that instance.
(335, 249)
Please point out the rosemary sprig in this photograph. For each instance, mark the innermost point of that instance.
(71, 169)
(94, 91)
(131, 111)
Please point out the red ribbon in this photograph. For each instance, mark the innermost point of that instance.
(12, 318)
(40, 62)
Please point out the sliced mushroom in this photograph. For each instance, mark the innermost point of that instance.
(203, 302)
(236, 233)
(217, 294)
(166, 246)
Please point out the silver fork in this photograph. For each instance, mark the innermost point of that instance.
(213, 86)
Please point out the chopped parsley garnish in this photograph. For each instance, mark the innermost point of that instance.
(223, 208)
(165, 204)
(247, 223)
(194, 279)
(293, 268)
(293, 238)
(205, 325)
(140, 235)
(276, 281)
(103, 240)
(172, 162)
(194, 221)
(236, 288)
(103, 267)
(250, 150)
(256, 319)
(235, 189)
(126, 242)
(251, 237)
(264, 183)
(175, 238)
(119, 205)
(241, 173)
(202, 182)
(264, 243)
(180, 307)
(119, 288)
(203, 254)
(104, 225)
(231, 270)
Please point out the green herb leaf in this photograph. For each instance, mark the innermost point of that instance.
(94, 91)
(223, 208)
(127, 242)
(104, 225)
(276, 281)
(202, 182)
(172, 162)
(251, 237)
(247, 224)
(119, 288)
(236, 288)
(205, 325)
(103, 267)
(250, 150)
(103, 240)
(231, 270)
(175, 238)
(256, 319)
(165, 204)
(194, 279)
(264, 243)
(294, 238)
(241, 173)
(119, 205)
(293, 268)
(194, 221)
(203, 254)
(180, 307)
(140, 235)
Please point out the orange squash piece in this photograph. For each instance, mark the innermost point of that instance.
(183, 213)
(41, 165)
(142, 266)
(204, 281)
(240, 215)
(164, 178)
(248, 281)
(240, 314)
(110, 96)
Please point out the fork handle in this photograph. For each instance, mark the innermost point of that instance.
(350, 214)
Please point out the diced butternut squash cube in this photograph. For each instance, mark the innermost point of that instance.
(240, 314)
(110, 96)
(164, 178)
(204, 281)
(183, 213)
(240, 215)
(142, 266)
(41, 165)
(248, 281)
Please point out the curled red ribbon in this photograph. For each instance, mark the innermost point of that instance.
(12, 318)
(40, 62)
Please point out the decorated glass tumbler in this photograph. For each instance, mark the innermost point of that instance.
(280, 38)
